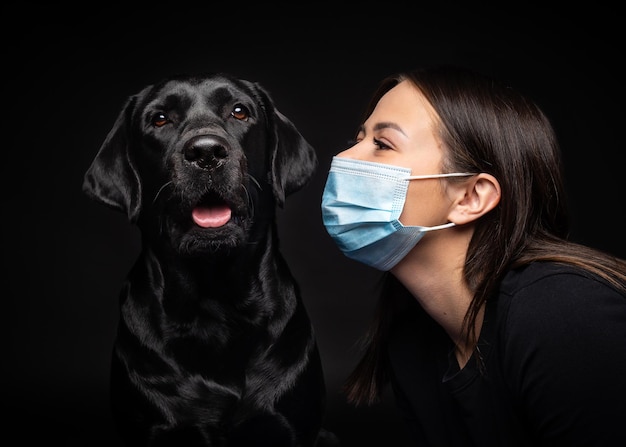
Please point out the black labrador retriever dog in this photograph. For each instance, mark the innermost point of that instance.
(214, 346)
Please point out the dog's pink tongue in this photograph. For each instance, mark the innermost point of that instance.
(210, 217)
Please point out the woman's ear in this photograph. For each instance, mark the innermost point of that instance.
(479, 195)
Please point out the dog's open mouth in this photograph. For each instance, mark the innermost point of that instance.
(213, 210)
(211, 216)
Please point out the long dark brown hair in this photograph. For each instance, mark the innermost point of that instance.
(488, 127)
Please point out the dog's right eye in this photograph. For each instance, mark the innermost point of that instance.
(160, 120)
(240, 112)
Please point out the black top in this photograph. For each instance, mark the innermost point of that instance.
(553, 344)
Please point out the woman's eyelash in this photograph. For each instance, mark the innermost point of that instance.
(376, 142)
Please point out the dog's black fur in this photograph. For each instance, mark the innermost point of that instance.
(214, 346)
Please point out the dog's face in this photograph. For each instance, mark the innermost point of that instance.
(199, 162)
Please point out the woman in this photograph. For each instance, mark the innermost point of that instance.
(493, 329)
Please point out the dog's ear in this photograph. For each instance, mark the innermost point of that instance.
(112, 178)
(293, 160)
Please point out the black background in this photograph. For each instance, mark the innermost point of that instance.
(67, 74)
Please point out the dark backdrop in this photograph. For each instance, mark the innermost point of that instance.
(67, 74)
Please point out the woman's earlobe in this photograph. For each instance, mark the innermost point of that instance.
(480, 195)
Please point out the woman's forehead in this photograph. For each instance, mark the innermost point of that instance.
(405, 106)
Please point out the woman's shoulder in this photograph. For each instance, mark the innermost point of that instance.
(559, 344)
(551, 282)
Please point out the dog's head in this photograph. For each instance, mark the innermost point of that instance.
(198, 161)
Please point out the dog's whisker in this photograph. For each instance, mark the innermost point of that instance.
(256, 182)
(250, 201)
(248, 196)
(156, 196)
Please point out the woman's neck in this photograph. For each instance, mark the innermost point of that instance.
(433, 273)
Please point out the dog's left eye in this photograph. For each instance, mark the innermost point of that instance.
(159, 120)
(240, 112)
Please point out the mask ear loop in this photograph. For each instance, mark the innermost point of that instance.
(438, 227)
(427, 176)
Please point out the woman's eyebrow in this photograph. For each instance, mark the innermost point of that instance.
(389, 125)
(383, 125)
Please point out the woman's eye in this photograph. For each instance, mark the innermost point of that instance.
(240, 112)
(380, 144)
(160, 120)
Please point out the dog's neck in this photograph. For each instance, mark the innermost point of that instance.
(225, 276)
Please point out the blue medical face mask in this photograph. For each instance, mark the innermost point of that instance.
(361, 205)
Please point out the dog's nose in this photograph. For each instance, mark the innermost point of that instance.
(205, 150)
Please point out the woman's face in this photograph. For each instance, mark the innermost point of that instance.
(401, 131)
